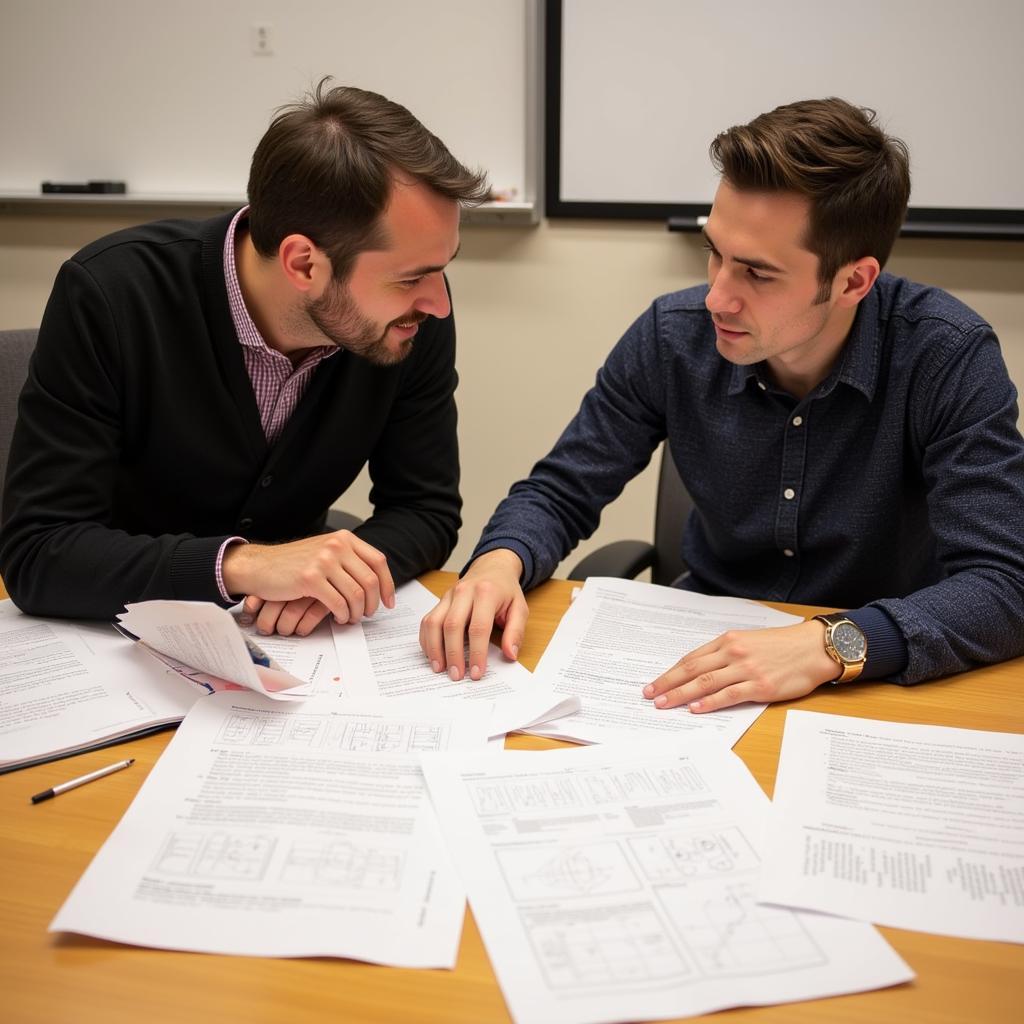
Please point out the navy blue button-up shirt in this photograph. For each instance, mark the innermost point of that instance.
(895, 488)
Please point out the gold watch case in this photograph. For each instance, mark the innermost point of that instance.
(845, 644)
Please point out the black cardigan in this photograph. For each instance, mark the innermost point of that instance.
(139, 449)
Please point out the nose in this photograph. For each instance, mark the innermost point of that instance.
(721, 298)
(433, 298)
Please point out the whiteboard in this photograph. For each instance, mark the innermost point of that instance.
(645, 87)
(168, 95)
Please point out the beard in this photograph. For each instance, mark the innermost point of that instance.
(337, 317)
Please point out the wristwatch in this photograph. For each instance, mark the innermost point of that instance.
(845, 644)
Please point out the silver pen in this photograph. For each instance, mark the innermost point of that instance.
(48, 794)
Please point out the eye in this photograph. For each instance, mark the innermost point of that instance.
(410, 282)
(755, 276)
(711, 251)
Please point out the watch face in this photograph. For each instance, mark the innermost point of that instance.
(848, 641)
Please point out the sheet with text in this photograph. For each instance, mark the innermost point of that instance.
(619, 635)
(68, 686)
(381, 656)
(913, 826)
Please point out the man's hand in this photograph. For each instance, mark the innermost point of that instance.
(760, 665)
(295, 585)
(488, 594)
(300, 617)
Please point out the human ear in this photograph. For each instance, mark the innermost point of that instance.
(856, 280)
(305, 267)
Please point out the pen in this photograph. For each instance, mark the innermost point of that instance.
(47, 794)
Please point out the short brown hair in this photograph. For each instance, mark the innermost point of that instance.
(325, 169)
(856, 177)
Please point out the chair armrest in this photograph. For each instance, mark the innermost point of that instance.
(338, 520)
(624, 559)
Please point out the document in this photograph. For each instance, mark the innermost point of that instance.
(611, 884)
(67, 687)
(206, 639)
(270, 829)
(620, 635)
(913, 826)
(382, 657)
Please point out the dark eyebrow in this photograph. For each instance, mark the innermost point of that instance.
(746, 261)
(423, 271)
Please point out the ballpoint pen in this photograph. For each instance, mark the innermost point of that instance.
(47, 794)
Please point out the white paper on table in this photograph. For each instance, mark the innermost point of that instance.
(286, 830)
(619, 635)
(207, 638)
(913, 826)
(610, 884)
(69, 686)
(382, 656)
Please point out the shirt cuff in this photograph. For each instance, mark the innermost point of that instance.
(887, 647)
(510, 545)
(219, 568)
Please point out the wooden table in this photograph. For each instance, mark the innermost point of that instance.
(56, 979)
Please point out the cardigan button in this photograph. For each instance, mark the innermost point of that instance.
(245, 523)
(267, 480)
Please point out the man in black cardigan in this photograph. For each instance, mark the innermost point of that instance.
(201, 392)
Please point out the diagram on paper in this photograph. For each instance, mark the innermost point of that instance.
(215, 855)
(728, 933)
(552, 872)
(682, 856)
(596, 947)
(344, 864)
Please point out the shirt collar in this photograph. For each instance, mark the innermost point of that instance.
(858, 362)
(247, 331)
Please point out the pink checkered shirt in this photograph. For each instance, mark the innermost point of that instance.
(276, 383)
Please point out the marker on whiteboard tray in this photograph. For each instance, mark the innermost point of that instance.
(117, 188)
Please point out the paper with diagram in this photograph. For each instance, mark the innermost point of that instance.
(286, 830)
(612, 884)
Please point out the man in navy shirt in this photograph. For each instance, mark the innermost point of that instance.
(849, 438)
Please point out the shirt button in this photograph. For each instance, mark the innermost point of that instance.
(267, 480)
(797, 420)
(789, 494)
(762, 385)
(788, 553)
(245, 523)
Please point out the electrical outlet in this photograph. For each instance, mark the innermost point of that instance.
(261, 39)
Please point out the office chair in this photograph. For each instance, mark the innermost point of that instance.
(339, 520)
(626, 559)
(16, 348)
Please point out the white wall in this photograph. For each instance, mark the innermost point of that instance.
(537, 310)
